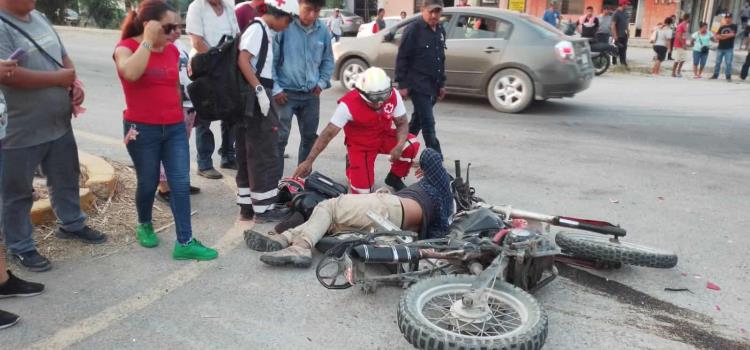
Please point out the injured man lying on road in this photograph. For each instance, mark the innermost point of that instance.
(424, 207)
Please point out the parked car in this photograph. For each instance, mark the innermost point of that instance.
(368, 28)
(508, 57)
(351, 21)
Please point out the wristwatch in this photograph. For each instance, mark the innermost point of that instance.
(146, 45)
(259, 89)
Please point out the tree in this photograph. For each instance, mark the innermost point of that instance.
(53, 9)
(105, 13)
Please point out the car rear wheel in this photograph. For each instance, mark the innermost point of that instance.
(510, 91)
(349, 71)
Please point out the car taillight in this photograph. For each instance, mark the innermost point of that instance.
(565, 51)
(348, 21)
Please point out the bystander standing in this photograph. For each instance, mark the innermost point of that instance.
(403, 15)
(701, 47)
(551, 15)
(725, 51)
(40, 97)
(420, 69)
(10, 285)
(154, 123)
(681, 45)
(662, 40)
(207, 22)
(334, 24)
(379, 21)
(588, 24)
(302, 67)
(620, 31)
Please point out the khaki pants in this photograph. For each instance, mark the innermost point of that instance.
(346, 213)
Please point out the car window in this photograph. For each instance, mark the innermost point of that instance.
(445, 19)
(325, 13)
(479, 27)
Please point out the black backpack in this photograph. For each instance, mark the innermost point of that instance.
(219, 90)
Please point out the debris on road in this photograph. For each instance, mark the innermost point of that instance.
(712, 286)
(677, 290)
(614, 201)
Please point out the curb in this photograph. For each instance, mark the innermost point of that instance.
(100, 184)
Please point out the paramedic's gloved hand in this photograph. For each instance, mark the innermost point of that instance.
(263, 101)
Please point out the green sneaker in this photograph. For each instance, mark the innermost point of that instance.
(146, 236)
(195, 250)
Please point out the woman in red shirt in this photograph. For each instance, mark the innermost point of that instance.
(147, 64)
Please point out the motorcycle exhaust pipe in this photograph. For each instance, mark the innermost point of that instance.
(385, 255)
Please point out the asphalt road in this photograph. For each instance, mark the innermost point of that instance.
(666, 158)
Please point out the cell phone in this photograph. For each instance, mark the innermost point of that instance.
(17, 55)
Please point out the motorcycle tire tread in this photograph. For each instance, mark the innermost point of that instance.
(427, 338)
(607, 252)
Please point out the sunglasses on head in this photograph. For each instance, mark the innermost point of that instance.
(169, 28)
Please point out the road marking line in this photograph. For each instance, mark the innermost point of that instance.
(92, 325)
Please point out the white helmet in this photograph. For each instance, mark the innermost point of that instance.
(374, 85)
(289, 6)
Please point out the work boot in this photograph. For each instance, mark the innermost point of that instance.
(298, 255)
(193, 250)
(246, 212)
(16, 287)
(395, 182)
(269, 242)
(146, 236)
(271, 215)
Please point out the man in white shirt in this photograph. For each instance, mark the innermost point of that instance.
(207, 22)
(334, 24)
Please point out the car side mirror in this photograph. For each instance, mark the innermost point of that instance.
(389, 37)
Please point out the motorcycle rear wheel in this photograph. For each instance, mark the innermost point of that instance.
(428, 316)
(600, 247)
(601, 64)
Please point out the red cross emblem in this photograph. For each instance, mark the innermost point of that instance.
(280, 3)
(388, 108)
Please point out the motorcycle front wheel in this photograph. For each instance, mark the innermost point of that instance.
(601, 63)
(600, 247)
(432, 315)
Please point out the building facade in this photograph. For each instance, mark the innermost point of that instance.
(644, 14)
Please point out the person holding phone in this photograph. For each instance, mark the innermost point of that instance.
(154, 126)
(40, 95)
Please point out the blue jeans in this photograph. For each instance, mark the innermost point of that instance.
(423, 119)
(700, 59)
(205, 144)
(336, 37)
(59, 160)
(724, 55)
(306, 107)
(168, 145)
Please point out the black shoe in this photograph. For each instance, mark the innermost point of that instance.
(395, 182)
(228, 164)
(246, 212)
(714, 77)
(729, 79)
(290, 222)
(210, 174)
(271, 215)
(163, 196)
(85, 235)
(33, 261)
(8, 319)
(16, 287)
(194, 190)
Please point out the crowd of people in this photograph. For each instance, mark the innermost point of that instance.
(285, 61)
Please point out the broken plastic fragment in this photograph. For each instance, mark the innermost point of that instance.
(614, 201)
(712, 286)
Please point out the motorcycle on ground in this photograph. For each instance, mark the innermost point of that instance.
(471, 288)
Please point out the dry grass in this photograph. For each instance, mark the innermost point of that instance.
(116, 216)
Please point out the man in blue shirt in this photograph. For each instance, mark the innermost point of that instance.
(302, 69)
(420, 69)
(551, 16)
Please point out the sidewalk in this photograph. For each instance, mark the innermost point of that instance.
(640, 59)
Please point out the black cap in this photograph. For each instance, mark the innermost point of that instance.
(433, 4)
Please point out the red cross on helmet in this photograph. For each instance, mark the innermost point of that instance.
(289, 6)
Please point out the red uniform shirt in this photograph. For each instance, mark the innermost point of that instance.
(368, 127)
(155, 97)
